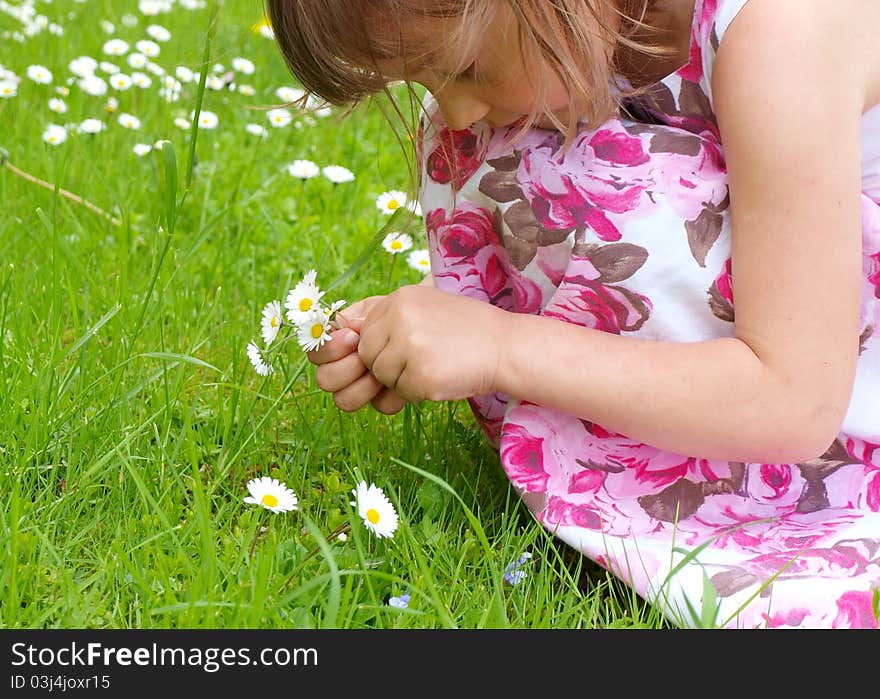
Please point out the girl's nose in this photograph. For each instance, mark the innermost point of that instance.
(460, 109)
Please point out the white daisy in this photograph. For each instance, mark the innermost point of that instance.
(303, 169)
(141, 149)
(375, 509)
(91, 126)
(246, 90)
(57, 105)
(215, 82)
(258, 361)
(257, 130)
(39, 74)
(415, 207)
(107, 26)
(271, 322)
(8, 89)
(83, 67)
(137, 60)
(63, 90)
(120, 81)
(303, 297)
(289, 94)
(142, 80)
(207, 120)
(108, 67)
(158, 33)
(271, 494)
(389, 202)
(338, 174)
(182, 123)
(115, 47)
(397, 242)
(155, 69)
(243, 65)
(148, 48)
(279, 118)
(55, 135)
(129, 121)
(93, 85)
(111, 106)
(184, 74)
(313, 329)
(420, 260)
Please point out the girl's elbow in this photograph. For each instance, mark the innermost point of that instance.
(807, 438)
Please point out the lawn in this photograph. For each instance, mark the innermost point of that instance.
(133, 278)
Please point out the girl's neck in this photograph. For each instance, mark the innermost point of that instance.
(670, 23)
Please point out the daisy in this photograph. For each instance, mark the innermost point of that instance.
(111, 106)
(246, 90)
(243, 65)
(57, 105)
(303, 169)
(207, 120)
(108, 67)
(93, 85)
(389, 202)
(107, 26)
(184, 74)
(313, 329)
(271, 494)
(182, 123)
(83, 67)
(397, 242)
(120, 81)
(129, 121)
(215, 82)
(115, 47)
(141, 149)
(420, 260)
(142, 80)
(91, 126)
(271, 322)
(63, 90)
(137, 60)
(257, 360)
(338, 174)
(279, 118)
(55, 135)
(158, 33)
(415, 207)
(8, 88)
(375, 509)
(155, 69)
(303, 297)
(39, 74)
(150, 49)
(289, 94)
(256, 130)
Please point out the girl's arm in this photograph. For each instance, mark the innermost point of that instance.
(789, 87)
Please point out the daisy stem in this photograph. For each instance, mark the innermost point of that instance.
(51, 187)
(341, 529)
(254, 542)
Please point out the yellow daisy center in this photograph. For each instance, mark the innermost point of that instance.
(274, 322)
(269, 500)
(423, 263)
(317, 330)
(396, 245)
(305, 304)
(373, 516)
(393, 204)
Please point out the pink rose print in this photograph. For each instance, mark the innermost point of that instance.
(523, 457)
(721, 294)
(855, 611)
(457, 155)
(468, 230)
(872, 263)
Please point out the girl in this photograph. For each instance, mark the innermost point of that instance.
(588, 237)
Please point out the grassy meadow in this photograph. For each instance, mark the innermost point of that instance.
(131, 418)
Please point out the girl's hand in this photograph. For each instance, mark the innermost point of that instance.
(341, 372)
(427, 344)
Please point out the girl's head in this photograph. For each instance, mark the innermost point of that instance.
(530, 62)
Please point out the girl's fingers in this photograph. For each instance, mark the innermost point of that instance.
(336, 375)
(356, 395)
(341, 343)
(388, 402)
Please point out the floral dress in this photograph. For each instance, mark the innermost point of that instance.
(629, 233)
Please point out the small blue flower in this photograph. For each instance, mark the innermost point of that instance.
(401, 602)
(512, 574)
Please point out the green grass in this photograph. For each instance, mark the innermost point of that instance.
(131, 419)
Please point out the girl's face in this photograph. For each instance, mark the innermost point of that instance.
(490, 83)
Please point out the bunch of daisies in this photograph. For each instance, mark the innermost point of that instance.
(307, 318)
